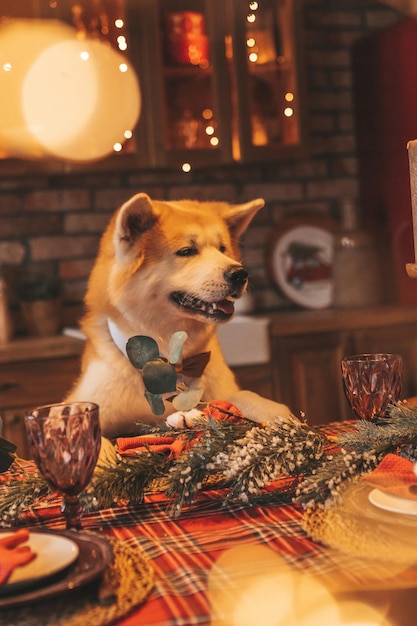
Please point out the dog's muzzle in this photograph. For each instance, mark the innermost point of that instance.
(220, 311)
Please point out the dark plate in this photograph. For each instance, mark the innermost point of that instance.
(95, 554)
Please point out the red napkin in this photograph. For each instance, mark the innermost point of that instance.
(222, 410)
(394, 475)
(173, 445)
(132, 446)
(12, 554)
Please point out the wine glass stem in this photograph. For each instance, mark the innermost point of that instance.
(72, 511)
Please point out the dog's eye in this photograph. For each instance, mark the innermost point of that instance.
(190, 251)
(222, 249)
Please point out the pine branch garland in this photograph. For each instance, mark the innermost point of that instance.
(361, 450)
(266, 454)
(125, 482)
(239, 456)
(190, 470)
(326, 483)
(398, 429)
(22, 493)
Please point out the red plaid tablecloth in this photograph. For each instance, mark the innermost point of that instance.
(184, 551)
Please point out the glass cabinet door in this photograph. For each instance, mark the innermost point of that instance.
(182, 60)
(267, 97)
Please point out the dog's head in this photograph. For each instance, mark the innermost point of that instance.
(177, 259)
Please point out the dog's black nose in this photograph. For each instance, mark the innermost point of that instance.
(236, 275)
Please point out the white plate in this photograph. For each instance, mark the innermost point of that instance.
(395, 504)
(53, 554)
(300, 260)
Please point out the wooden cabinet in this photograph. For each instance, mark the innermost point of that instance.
(257, 378)
(306, 372)
(34, 372)
(221, 80)
(307, 347)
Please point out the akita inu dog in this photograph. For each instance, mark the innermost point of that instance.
(164, 267)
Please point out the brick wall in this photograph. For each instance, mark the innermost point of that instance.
(53, 222)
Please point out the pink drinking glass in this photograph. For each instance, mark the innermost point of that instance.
(371, 382)
(65, 441)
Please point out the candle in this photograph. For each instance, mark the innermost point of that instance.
(412, 157)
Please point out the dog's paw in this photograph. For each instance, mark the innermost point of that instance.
(258, 409)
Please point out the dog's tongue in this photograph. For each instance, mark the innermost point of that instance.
(227, 306)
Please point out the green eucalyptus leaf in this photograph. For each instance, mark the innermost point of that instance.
(176, 345)
(159, 377)
(156, 403)
(187, 399)
(141, 349)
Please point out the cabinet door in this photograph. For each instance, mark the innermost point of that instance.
(268, 83)
(257, 378)
(396, 339)
(307, 375)
(180, 48)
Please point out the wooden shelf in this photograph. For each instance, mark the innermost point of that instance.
(317, 321)
(34, 348)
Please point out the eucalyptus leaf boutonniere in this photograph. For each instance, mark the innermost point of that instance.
(163, 378)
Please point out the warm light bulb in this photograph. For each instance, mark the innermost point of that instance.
(186, 167)
(66, 98)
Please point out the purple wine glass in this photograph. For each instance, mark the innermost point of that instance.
(65, 441)
(371, 382)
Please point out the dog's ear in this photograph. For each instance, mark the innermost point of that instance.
(135, 217)
(239, 216)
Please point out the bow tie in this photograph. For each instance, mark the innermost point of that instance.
(194, 366)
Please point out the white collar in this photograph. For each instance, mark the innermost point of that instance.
(118, 337)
